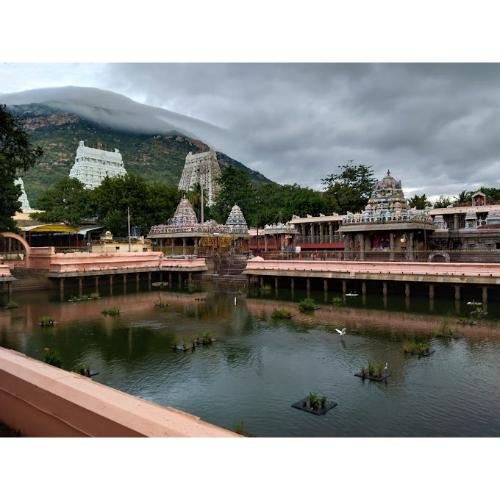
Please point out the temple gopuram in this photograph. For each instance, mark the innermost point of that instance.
(387, 226)
(184, 235)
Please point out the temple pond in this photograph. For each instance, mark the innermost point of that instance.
(258, 366)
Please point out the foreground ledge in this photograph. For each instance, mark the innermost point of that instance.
(40, 400)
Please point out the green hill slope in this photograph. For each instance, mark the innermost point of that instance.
(155, 157)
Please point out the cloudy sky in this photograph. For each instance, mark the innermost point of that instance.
(437, 127)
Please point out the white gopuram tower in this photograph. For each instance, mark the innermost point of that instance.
(25, 204)
(203, 169)
(92, 165)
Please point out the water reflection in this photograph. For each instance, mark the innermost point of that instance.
(259, 366)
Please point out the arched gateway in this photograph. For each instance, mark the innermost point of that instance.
(13, 242)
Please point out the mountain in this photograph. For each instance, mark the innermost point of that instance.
(153, 142)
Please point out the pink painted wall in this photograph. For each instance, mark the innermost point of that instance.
(40, 400)
(460, 269)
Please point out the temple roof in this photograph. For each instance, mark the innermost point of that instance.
(236, 220)
(184, 214)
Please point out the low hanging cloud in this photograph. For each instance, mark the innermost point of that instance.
(435, 126)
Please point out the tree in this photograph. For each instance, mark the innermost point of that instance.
(16, 156)
(235, 188)
(443, 202)
(68, 201)
(350, 189)
(419, 202)
(149, 203)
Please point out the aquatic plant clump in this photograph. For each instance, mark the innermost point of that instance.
(445, 330)
(52, 358)
(113, 311)
(337, 301)
(265, 289)
(11, 305)
(374, 371)
(281, 313)
(80, 298)
(314, 403)
(160, 304)
(307, 306)
(46, 321)
(419, 348)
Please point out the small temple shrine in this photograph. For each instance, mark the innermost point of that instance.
(184, 235)
(387, 226)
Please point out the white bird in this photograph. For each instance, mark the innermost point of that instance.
(234, 300)
(341, 332)
(386, 366)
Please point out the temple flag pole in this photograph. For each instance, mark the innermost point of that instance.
(202, 208)
(128, 225)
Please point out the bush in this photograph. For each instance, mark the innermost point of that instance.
(11, 305)
(307, 305)
(337, 301)
(281, 313)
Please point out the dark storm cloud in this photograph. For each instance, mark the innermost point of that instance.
(435, 126)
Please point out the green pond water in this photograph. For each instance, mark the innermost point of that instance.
(249, 378)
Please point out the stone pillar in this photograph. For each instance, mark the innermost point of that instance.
(363, 288)
(344, 287)
(308, 287)
(180, 279)
(172, 246)
(409, 243)
(457, 292)
(361, 246)
(261, 280)
(384, 288)
(485, 297)
(292, 287)
(125, 283)
(190, 278)
(455, 222)
(61, 289)
(80, 286)
(391, 246)
(183, 246)
(265, 242)
(97, 284)
(276, 286)
(407, 290)
(431, 291)
(111, 284)
(149, 280)
(325, 289)
(321, 232)
(311, 233)
(330, 232)
(170, 280)
(137, 281)
(196, 246)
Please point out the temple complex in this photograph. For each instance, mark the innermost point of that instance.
(93, 165)
(202, 169)
(387, 225)
(183, 234)
(388, 229)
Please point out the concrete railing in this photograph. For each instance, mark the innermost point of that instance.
(37, 399)
(81, 262)
(426, 268)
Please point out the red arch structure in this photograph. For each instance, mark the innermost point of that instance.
(24, 243)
